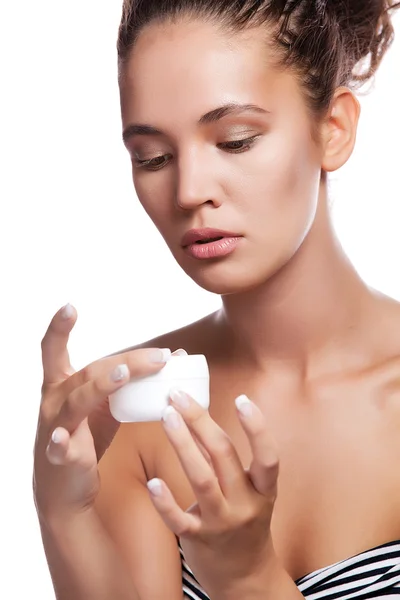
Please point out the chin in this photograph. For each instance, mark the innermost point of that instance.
(225, 279)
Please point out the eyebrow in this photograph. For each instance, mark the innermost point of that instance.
(212, 116)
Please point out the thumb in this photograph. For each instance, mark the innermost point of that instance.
(55, 357)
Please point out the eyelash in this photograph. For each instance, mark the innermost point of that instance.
(247, 141)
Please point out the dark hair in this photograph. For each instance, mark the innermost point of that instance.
(323, 41)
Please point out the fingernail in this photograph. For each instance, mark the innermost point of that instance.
(67, 311)
(180, 398)
(56, 436)
(244, 405)
(155, 486)
(119, 373)
(180, 352)
(171, 418)
(160, 355)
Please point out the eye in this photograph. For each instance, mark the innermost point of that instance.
(237, 146)
(153, 164)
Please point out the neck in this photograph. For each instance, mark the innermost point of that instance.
(307, 314)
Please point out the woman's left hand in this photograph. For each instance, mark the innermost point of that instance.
(225, 536)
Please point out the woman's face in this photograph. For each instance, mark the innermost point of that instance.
(192, 171)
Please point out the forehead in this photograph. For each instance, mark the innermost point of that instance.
(189, 67)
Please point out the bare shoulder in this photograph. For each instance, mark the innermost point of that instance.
(385, 367)
(196, 338)
(370, 369)
(386, 331)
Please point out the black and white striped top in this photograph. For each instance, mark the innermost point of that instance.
(371, 574)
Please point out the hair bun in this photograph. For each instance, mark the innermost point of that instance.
(367, 30)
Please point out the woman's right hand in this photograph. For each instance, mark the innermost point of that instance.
(75, 426)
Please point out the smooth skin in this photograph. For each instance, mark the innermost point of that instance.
(315, 349)
(233, 509)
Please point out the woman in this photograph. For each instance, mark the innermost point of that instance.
(234, 113)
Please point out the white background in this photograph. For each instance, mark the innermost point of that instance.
(72, 229)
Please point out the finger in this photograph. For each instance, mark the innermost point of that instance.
(202, 450)
(55, 357)
(83, 400)
(198, 471)
(225, 460)
(264, 468)
(178, 521)
(58, 446)
(59, 443)
(76, 449)
(140, 362)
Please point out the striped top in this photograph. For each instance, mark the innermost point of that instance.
(371, 574)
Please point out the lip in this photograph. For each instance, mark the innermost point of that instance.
(213, 250)
(198, 235)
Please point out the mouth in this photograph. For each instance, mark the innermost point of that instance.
(209, 240)
(206, 236)
(209, 244)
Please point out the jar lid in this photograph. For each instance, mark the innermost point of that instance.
(190, 366)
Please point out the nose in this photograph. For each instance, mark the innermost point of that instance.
(196, 183)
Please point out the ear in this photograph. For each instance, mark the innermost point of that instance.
(339, 130)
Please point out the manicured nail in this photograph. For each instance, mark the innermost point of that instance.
(67, 311)
(119, 373)
(155, 486)
(244, 405)
(180, 398)
(180, 352)
(160, 355)
(56, 436)
(172, 418)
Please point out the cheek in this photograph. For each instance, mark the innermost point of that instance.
(153, 191)
(281, 193)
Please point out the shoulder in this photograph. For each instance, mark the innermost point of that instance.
(382, 375)
(385, 338)
(368, 365)
(195, 338)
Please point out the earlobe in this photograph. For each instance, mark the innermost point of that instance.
(340, 129)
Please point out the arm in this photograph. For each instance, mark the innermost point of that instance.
(147, 547)
(276, 584)
(119, 549)
(83, 561)
(91, 558)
